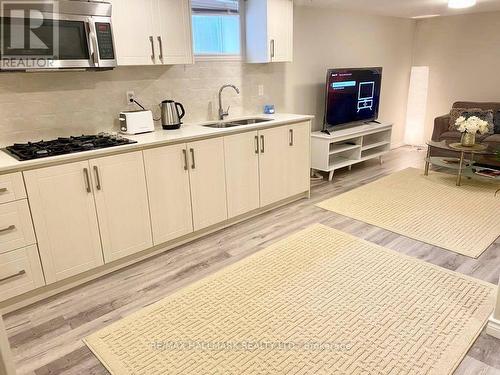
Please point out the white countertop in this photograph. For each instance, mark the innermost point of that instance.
(188, 132)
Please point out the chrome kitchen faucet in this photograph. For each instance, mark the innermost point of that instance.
(223, 113)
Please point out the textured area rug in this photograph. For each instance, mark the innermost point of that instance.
(463, 219)
(318, 302)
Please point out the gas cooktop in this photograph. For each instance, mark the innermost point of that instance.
(63, 146)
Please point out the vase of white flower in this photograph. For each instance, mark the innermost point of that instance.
(469, 127)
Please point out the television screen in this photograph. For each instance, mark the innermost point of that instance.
(353, 95)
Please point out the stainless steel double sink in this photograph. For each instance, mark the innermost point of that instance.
(231, 124)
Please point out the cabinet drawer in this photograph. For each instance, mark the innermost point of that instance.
(11, 187)
(16, 228)
(20, 272)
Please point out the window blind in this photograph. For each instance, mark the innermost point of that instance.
(215, 6)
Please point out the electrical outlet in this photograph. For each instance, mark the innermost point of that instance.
(261, 90)
(130, 96)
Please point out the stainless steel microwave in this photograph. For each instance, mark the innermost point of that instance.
(57, 35)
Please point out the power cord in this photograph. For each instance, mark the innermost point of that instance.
(132, 100)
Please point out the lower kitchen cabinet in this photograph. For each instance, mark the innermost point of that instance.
(65, 219)
(16, 229)
(284, 162)
(122, 204)
(76, 206)
(167, 175)
(242, 173)
(298, 158)
(207, 178)
(11, 187)
(273, 148)
(20, 272)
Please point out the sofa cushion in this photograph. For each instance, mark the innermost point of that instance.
(456, 136)
(496, 122)
(493, 138)
(486, 115)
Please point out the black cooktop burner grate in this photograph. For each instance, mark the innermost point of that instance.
(63, 146)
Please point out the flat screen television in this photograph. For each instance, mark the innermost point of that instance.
(352, 96)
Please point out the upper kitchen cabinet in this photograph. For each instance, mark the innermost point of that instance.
(152, 32)
(133, 31)
(269, 31)
(174, 39)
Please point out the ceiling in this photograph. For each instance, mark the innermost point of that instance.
(403, 8)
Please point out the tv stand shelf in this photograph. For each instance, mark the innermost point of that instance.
(346, 147)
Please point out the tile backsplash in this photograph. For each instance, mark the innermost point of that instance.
(36, 106)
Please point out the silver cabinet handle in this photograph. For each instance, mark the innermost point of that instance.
(87, 180)
(184, 152)
(272, 48)
(257, 144)
(160, 43)
(262, 144)
(152, 48)
(8, 229)
(97, 178)
(193, 165)
(291, 137)
(20, 273)
(3, 190)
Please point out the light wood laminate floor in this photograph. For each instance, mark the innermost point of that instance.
(46, 337)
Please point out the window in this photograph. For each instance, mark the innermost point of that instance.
(216, 27)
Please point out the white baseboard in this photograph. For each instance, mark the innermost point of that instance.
(396, 145)
(493, 327)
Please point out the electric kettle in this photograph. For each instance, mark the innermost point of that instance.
(170, 115)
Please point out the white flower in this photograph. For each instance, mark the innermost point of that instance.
(471, 125)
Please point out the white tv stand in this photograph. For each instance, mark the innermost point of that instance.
(346, 147)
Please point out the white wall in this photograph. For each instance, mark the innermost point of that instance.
(463, 53)
(327, 38)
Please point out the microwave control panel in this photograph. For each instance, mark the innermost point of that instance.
(105, 41)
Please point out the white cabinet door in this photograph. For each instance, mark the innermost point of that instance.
(133, 32)
(64, 215)
(20, 272)
(173, 31)
(273, 165)
(269, 31)
(16, 228)
(280, 26)
(167, 178)
(298, 158)
(11, 187)
(122, 204)
(208, 182)
(242, 173)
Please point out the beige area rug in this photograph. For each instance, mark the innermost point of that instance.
(430, 209)
(318, 302)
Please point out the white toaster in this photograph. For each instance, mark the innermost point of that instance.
(136, 122)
